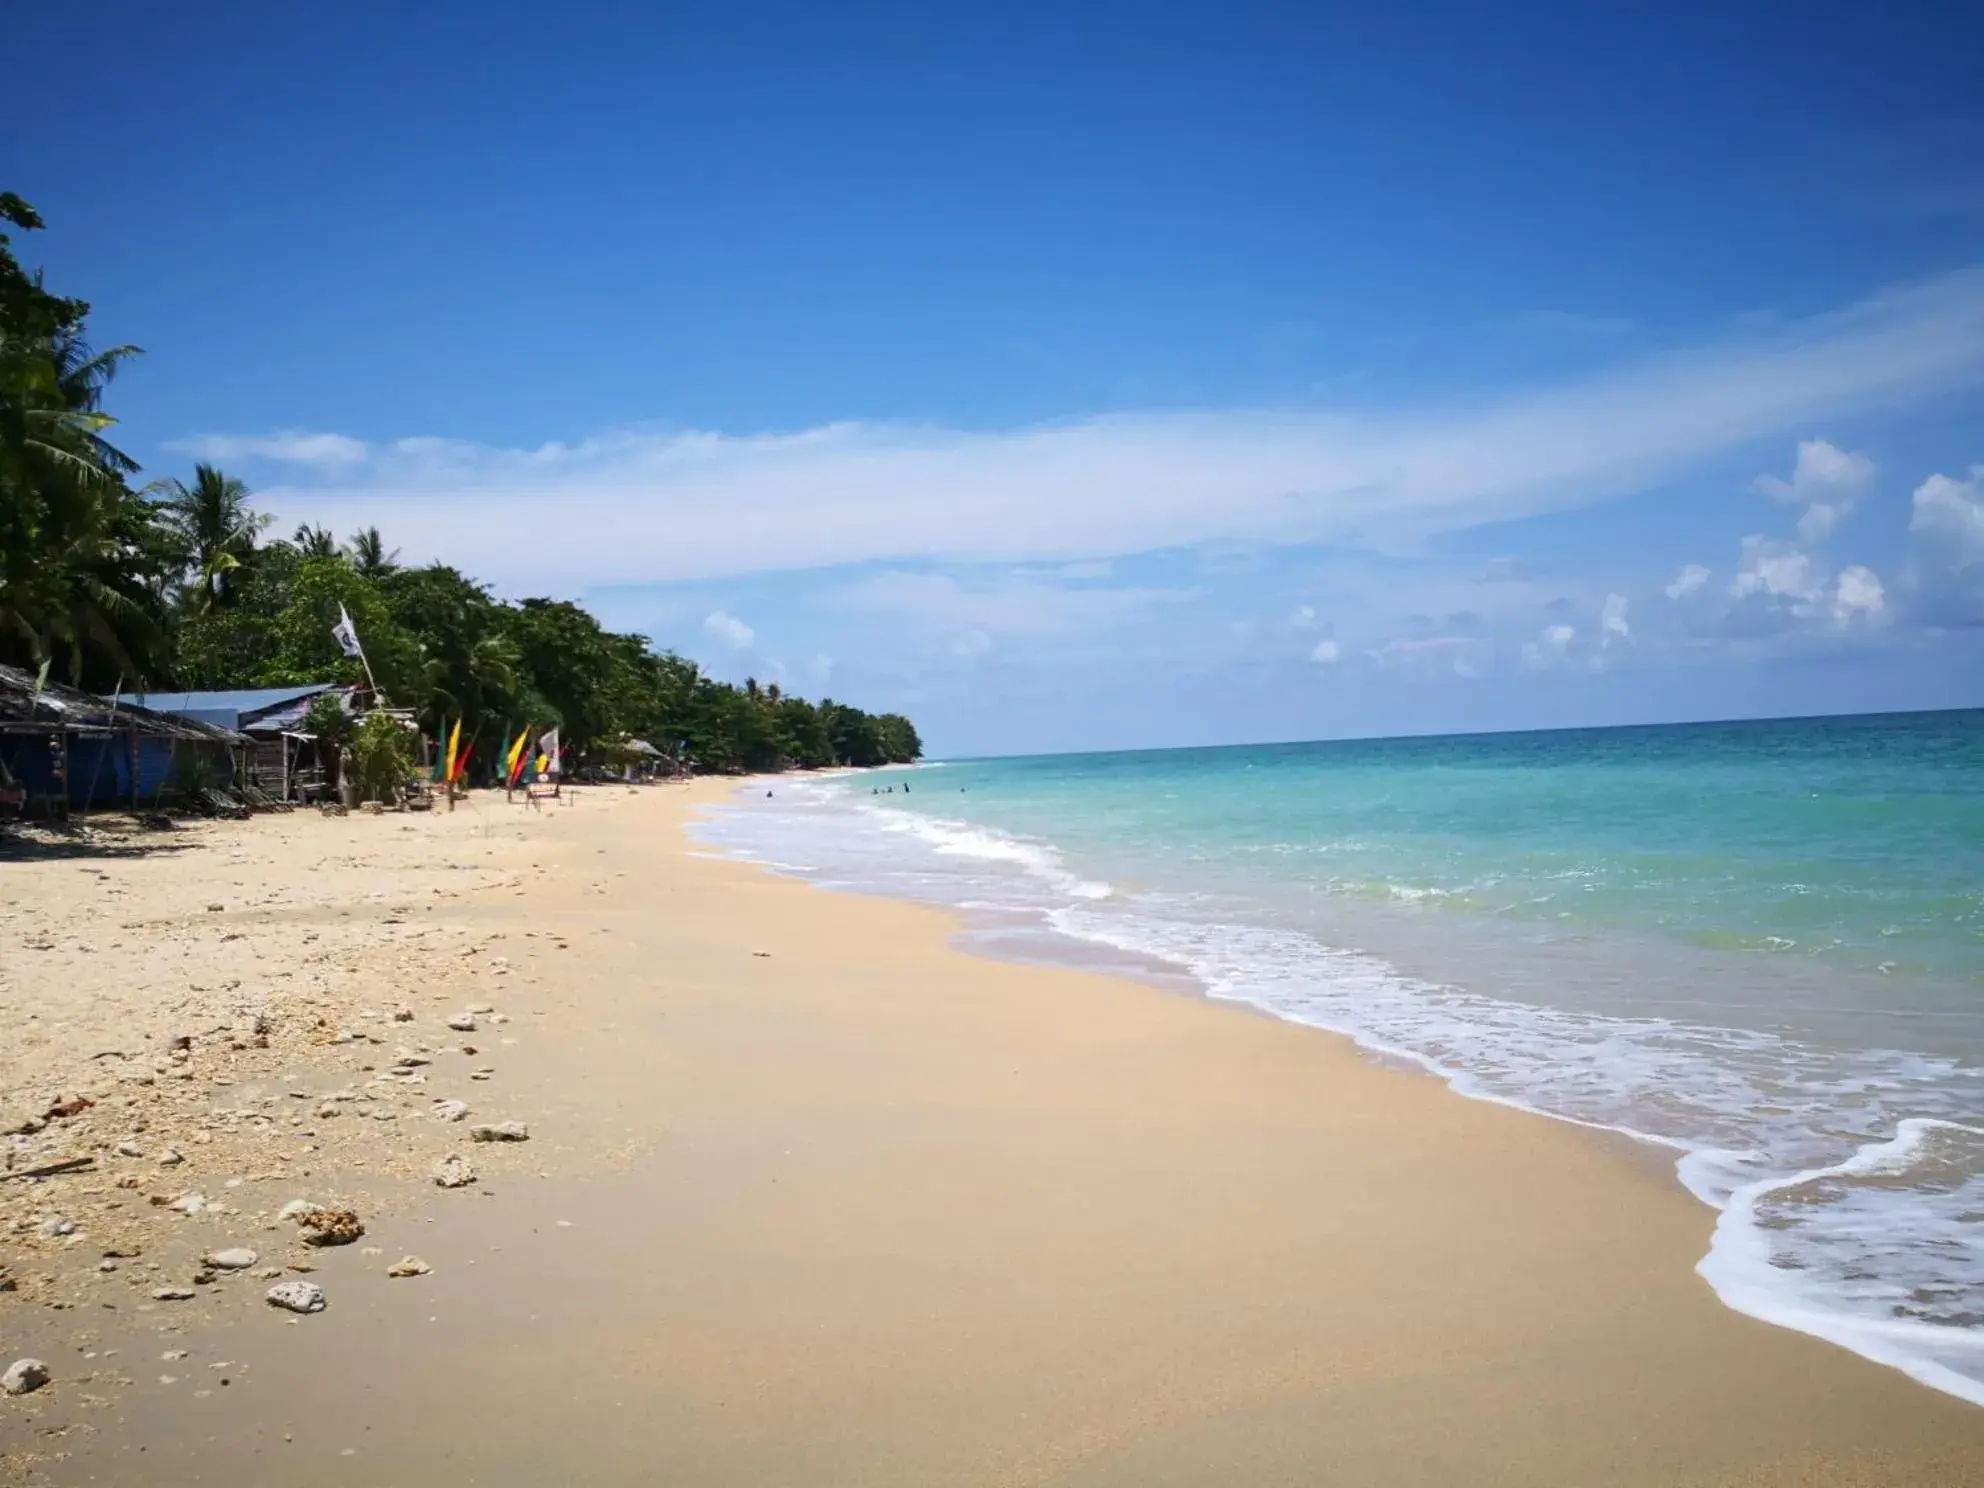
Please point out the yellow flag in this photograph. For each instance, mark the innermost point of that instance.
(454, 743)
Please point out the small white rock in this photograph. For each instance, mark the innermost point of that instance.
(296, 1209)
(462, 1022)
(55, 1227)
(297, 1296)
(129, 1148)
(171, 1157)
(24, 1376)
(408, 1266)
(235, 1258)
(454, 1171)
(171, 1294)
(189, 1203)
(449, 1110)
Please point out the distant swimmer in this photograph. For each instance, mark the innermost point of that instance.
(905, 787)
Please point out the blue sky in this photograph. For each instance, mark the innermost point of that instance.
(1152, 375)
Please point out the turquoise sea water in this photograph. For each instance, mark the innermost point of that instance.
(1760, 945)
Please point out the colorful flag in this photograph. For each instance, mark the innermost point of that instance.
(513, 762)
(454, 743)
(547, 749)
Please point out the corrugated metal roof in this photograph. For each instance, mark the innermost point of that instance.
(236, 701)
(53, 705)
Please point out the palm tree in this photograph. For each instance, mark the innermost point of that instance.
(216, 529)
(369, 555)
(315, 542)
(77, 554)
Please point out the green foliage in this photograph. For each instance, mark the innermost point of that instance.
(175, 586)
(381, 756)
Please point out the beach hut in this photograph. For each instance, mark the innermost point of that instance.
(64, 750)
(283, 757)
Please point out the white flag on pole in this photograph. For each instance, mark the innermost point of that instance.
(547, 745)
(345, 635)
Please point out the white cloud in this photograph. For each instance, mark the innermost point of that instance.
(1858, 595)
(1612, 619)
(977, 612)
(285, 447)
(1327, 653)
(1776, 570)
(1551, 646)
(1825, 480)
(727, 628)
(1302, 617)
(1950, 513)
(1692, 579)
(692, 505)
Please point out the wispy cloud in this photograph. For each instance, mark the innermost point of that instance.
(719, 625)
(659, 505)
(970, 615)
(284, 447)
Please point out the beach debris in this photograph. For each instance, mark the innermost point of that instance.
(330, 1226)
(402, 1015)
(74, 1106)
(449, 1110)
(297, 1296)
(454, 1171)
(189, 1203)
(500, 1131)
(24, 1377)
(50, 1169)
(172, 1294)
(462, 1022)
(55, 1226)
(234, 1258)
(408, 1266)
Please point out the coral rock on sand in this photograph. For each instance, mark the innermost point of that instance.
(453, 1172)
(408, 1266)
(297, 1296)
(24, 1376)
(329, 1226)
(449, 1110)
(501, 1131)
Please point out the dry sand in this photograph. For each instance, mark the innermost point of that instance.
(809, 1198)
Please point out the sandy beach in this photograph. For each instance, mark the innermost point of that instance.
(808, 1197)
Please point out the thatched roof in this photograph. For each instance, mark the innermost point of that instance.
(24, 709)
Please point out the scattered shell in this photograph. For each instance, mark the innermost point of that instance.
(297, 1296)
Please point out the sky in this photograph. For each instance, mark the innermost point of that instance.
(1136, 376)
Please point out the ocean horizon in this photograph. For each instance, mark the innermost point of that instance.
(1754, 944)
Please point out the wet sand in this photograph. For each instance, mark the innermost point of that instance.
(813, 1198)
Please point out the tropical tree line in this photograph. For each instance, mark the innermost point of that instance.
(182, 584)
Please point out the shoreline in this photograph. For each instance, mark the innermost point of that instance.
(870, 1207)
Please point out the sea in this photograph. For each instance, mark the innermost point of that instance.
(1758, 947)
